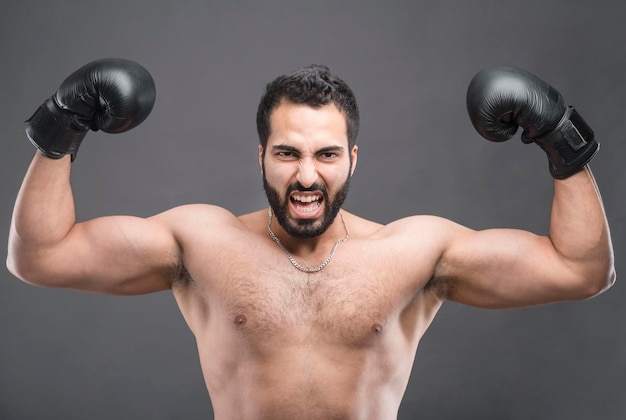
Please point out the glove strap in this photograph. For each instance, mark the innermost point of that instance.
(55, 132)
(570, 146)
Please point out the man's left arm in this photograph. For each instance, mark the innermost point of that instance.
(509, 268)
(502, 268)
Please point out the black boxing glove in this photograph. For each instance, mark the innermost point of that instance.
(501, 99)
(112, 95)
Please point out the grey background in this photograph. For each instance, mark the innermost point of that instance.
(69, 355)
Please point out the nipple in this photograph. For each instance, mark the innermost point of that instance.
(377, 328)
(240, 320)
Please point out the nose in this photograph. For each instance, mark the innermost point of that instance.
(307, 173)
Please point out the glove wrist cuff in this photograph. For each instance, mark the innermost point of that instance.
(569, 146)
(54, 132)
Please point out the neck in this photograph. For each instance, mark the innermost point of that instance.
(336, 231)
(309, 248)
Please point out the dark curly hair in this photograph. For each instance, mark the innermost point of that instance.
(313, 85)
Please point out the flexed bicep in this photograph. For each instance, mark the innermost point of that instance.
(507, 268)
(112, 255)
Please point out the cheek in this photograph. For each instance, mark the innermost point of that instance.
(337, 175)
(333, 181)
(275, 176)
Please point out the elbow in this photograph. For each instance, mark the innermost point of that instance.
(607, 281)
(596, 283)
(14, 266)
(27, 271)
(19, 269)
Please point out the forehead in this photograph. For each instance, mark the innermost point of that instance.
(300, 123)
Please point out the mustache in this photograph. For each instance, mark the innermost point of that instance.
(296, 186)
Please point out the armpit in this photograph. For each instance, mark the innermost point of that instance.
(440, 287)
(180, 275)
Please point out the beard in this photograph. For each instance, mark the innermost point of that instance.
(305, 228)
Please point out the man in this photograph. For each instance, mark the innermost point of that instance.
(305, 310)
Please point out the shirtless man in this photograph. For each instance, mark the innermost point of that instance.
(305, 310)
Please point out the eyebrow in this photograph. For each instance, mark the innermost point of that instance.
(295, 149)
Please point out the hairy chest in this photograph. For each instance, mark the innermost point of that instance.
(257, 294)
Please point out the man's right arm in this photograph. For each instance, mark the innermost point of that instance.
(118, 255)
(113, 255)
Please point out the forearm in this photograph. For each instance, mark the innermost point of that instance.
(579, 230)
(44, 211)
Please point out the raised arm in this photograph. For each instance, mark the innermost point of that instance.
(118, 255)
(504, 268)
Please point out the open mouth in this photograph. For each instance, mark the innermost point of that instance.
(306, 203)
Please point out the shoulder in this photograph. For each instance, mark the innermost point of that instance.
(410, 237)
(422, 239)
(432, 227)
(194, 211)
(196, 217)
(199, 217)
(416, 227)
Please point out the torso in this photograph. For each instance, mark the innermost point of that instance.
(275, 342)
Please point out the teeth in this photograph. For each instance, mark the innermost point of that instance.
(306, 199)
(308, 208)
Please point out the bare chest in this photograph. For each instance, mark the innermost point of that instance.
(342, 306)
(257, 292)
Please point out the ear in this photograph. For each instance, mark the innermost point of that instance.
(261, 157)
(354, 153)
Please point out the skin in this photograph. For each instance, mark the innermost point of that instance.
(277, 343)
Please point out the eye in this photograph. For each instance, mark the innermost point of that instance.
(329, 155)
(285, 154)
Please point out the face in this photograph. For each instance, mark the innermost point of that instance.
(307, 167)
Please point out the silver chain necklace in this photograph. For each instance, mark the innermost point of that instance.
(290, 257)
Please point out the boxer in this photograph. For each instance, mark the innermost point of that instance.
(303, 309)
